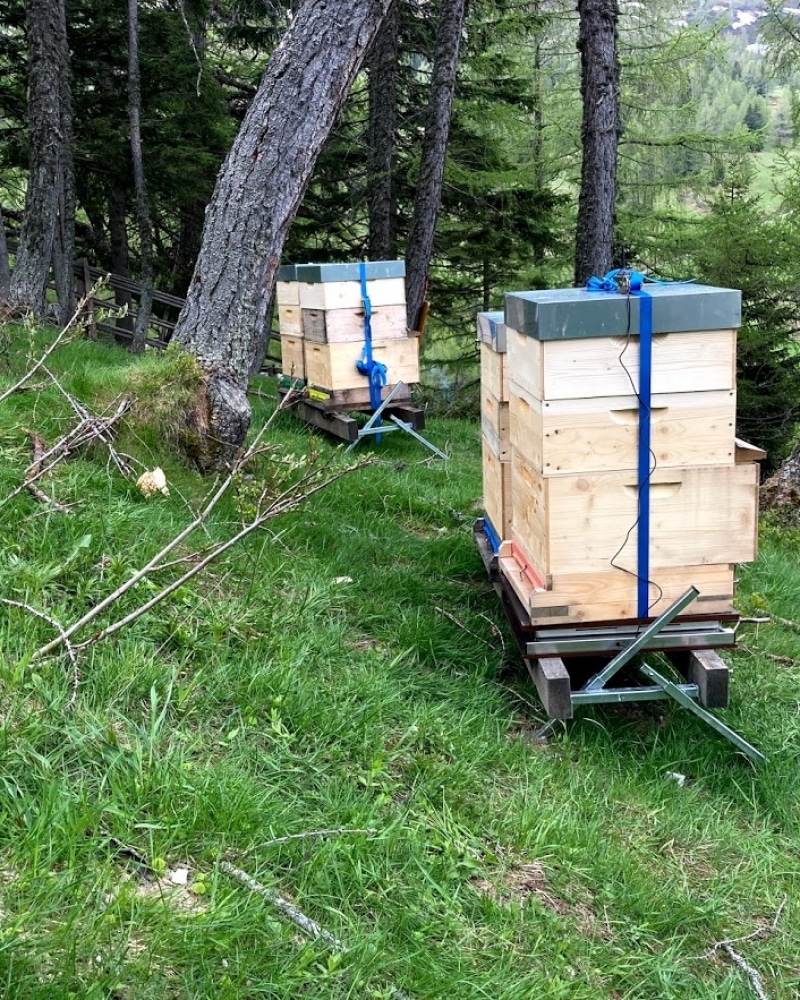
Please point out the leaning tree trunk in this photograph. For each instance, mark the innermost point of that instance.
(44, 21)
(597, 42)
(5, 271)
(64, 241)
(381, 138)
(434, 150)
(139, 339)
(257, 195)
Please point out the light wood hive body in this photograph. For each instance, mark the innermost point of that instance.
(560, 431)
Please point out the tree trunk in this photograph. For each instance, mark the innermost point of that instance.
(381, 139)
(434, 150)
(65, 232)
(120, 256)
(142, 207)
(258, 192)
(44, 20)
(5, 270)
(600, 132)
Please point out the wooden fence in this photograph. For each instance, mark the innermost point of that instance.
(113, 305)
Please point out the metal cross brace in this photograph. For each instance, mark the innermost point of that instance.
(595, 692)
(369, 427)
(674, 691)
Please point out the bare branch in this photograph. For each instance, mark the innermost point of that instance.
(60, 629)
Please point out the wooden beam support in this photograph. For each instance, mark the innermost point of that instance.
(708, 671)
(553, 685)
(409, 414)
(338, 424)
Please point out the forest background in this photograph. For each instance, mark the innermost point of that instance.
(708, 184)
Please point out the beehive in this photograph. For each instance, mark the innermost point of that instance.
(570, 536)
(495, 427)
(321, 317)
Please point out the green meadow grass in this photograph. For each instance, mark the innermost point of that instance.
(347, 669)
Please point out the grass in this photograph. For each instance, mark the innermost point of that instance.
(349, 670)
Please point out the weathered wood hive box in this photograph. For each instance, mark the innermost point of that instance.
(568, 513)
(495, 428)
(321, 319)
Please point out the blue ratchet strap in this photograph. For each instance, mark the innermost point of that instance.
(645, 395)
(367, 365)
(632, 283)
(491, 534)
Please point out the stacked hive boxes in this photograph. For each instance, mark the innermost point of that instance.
(570, 549)
(321, 317)
(495, 429)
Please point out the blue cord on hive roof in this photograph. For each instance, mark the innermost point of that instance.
(367, 365)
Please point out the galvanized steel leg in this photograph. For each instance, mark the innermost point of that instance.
(675, 692)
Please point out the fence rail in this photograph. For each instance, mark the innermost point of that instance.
(113, 304)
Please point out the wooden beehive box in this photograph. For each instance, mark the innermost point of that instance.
(495, 427)
(321, 315)
(572, 365)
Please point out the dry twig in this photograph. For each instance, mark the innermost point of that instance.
(336, 832)
(67, 645)
(267, 507)
(59, 340)
(752, 973)
(34, 472)
(306, 924)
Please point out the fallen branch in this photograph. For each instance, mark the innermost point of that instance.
(90, 429)
(461, 625)
(67, 645)
(34, 472)
(337, 832)
(59, 339)
(752, 973)
(786, 661)
(306, 924)
(795, 626)
(267, 507)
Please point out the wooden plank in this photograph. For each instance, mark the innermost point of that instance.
(338, 424)
(496, 489)
(495, 423)
(553, 686)
(339, 326)
(333, 366)
(606, 366)
(601, 434)
(709, 672)
(580, 523)
(494, 373)
(582, 598)
(354, 399)
(293, 356)
(748, 452)
(347, 294)
(287, 293)
(413, 415)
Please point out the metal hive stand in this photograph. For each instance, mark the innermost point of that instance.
(338, 422)
(615, 648)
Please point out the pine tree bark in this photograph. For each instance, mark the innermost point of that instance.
(64, 244)
(600, 132)
(5, 270)
(139, 338)
(434, 151)
(47, 51)
(381, 202)
(120, 255)
(258, 192)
